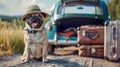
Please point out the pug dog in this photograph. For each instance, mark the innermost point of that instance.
(35, 36)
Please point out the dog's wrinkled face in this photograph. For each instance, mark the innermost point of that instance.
(34, 20)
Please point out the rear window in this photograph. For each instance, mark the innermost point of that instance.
(80, 9)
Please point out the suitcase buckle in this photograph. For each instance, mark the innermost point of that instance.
(92, 36)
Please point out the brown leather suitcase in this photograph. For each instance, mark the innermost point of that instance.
(91, 51)
(83, 51)
(91, 35)
(112, 40)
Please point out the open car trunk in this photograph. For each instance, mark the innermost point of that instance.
(66, 23)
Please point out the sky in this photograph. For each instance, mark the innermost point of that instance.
(19, 7)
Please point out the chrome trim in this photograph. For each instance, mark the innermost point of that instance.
(63, 42)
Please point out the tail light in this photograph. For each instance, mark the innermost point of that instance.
(50, 27)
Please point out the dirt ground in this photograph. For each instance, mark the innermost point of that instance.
(58, 61)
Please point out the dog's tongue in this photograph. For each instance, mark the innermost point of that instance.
(34, 24)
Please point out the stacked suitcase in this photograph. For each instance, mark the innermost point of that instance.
(112, 40)
(91, 40)
(90, 51)
(91, 35)
(100, 41)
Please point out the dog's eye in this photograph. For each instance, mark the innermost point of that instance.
(29, 16)
(39, 16)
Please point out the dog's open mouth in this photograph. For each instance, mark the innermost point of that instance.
(36, 25)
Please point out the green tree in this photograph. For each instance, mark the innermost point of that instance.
(114, 9)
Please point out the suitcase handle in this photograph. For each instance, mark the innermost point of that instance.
(113, 49)
(114, 33)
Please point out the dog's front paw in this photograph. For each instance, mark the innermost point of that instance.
(44, 60)
(24, 60)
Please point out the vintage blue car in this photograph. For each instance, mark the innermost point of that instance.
(68, 15)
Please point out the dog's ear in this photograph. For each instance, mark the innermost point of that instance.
(45, 15)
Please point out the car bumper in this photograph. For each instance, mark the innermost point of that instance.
(64, 42)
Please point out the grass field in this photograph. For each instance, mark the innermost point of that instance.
(11, 37)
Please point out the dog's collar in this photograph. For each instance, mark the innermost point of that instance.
(32, 31)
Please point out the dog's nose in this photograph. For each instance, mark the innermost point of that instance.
(35, 19)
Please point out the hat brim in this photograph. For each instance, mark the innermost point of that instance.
(45, 15)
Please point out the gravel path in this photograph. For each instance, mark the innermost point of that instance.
(57, 61)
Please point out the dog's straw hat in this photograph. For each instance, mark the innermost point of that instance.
(34, 9)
